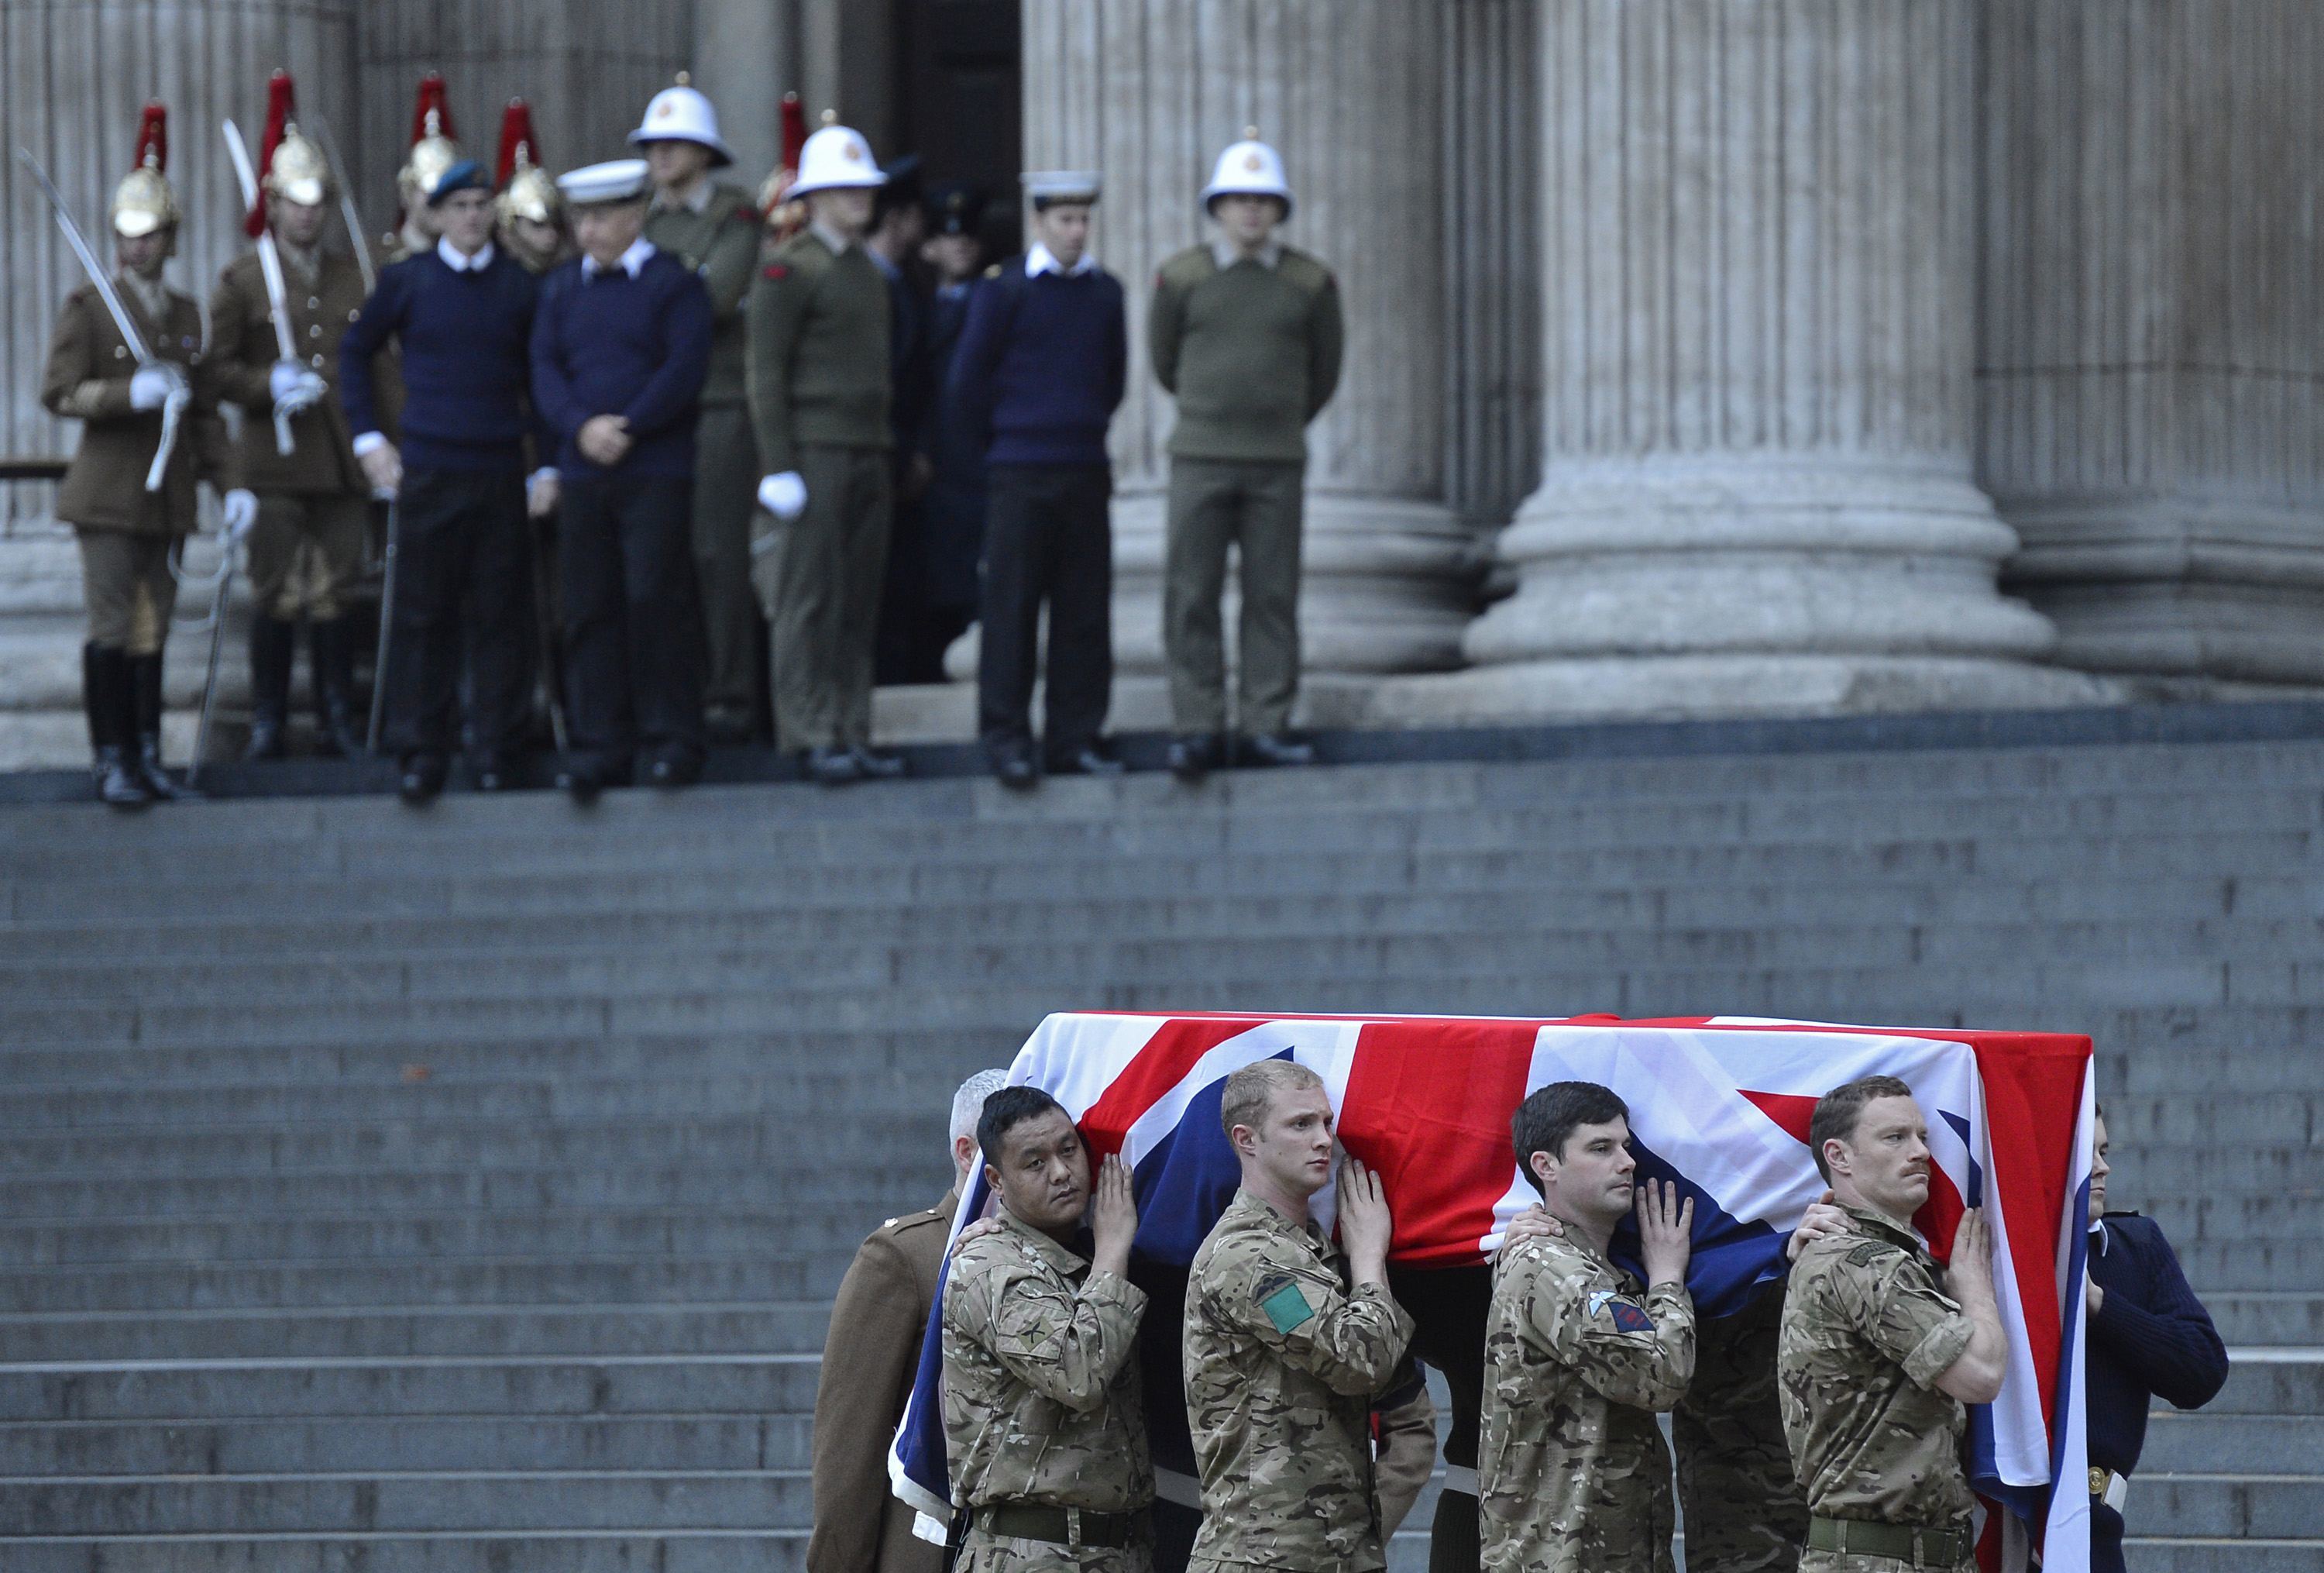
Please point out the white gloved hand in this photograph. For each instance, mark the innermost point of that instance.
(783, 495)
(295, 388)
(150, 386)
(241, 513)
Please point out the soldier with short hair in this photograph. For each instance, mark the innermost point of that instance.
(1573, 1473)
(1289, 1340)
(1040, 1331)
(1881, 1350)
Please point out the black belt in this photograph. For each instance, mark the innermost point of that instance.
(1064, 1526)
(1906, 1542)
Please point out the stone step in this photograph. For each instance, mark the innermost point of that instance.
(2266, 1506)
(549, 1548)
(2232, 1443)
(2280, 1380)
(344, 1444)
(2237, 1555)
(381, 1387)
(792, 1327)
(2216, 1265)
(2273, 1319)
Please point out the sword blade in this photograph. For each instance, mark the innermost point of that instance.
(270, 264)
(99, 276)
(330, 147)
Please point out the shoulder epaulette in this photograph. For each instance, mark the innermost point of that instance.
(1189, 267)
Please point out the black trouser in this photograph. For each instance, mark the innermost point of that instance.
(463, 579)
(633, 644)
(1049, 536)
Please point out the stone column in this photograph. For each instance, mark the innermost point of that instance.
(76, 75)
(1757, 492)
(2153, 374)
(1350, 91)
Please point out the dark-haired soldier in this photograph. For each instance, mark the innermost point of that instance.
(1040, 1331)
(1880, 1350)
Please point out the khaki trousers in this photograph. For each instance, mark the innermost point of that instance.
(306, 553)
(1258, 508)
(125, 580)
(820, 585)
(725, 482)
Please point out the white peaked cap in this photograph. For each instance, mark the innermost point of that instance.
(622, 180)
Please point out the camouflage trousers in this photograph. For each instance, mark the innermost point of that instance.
(982, 1553)
(1859, 1562)
(1744, 1512)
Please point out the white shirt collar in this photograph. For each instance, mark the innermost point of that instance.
(1225, 251)
(839, 243)
(697, 200)
(640, 252)
(465, 265)
(1042, 260)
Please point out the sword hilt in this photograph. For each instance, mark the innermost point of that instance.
(283, 443)
(174, 409)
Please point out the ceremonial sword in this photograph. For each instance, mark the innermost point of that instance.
(102, 280)
(270, 267)
(316, 124)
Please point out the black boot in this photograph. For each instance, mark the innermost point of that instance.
(145, 676)
(331, 654)
(104, 696)
(271, 642)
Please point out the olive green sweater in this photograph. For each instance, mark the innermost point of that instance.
(817, 366)
(721, 243)
(1252, 352)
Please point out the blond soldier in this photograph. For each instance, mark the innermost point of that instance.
(1880, 1351)
(1287, 1342)
(1042, 1410)
(1571, 1469)
(126, 533)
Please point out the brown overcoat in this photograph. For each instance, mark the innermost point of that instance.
(869, 1362)
(88, 380)
(243, 344)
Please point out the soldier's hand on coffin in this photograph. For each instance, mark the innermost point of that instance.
(1536, 1223)
(1113, 1218)
(1824, 1216)
(382, 466)
(1666, 1232)
(1366, 1227)
(1968, 1274)
(150, 386)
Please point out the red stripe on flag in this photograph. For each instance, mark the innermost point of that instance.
(2033, 1105)
(1176, 1047)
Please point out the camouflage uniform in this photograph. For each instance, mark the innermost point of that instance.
(1865, 1334)
(1282, 1362)
(1744, 1510)
(1041, 1400)
(1571, 1469)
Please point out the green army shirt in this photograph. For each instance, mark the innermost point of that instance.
(1572, 1474)
(1251, 349)
(1282, 1362)
(817, 365)
(717, 234)
(1865, 1333)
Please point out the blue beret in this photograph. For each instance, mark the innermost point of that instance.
(468, 175)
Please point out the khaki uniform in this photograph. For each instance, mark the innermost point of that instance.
(819, 391)
(127, 533)
(717, 235)
(1282, 1362)
(1865, 1333)
(1042, 1405)
(313, 503)
(1572, 1470)
(869, 1358)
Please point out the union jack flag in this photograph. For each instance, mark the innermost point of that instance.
(1717, 1104)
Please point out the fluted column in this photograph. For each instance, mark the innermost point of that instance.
(2154, 379)
(1350, 91)
(1759, 332)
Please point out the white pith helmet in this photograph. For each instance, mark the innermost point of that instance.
(837, 159)
(1248, 169)
(680, 113)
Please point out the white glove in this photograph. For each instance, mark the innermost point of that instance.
(295, 387)
(783, 495)
(150, 386)
(241, 513)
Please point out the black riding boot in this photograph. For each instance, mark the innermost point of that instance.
(145, 677)
(104, 696)
(331, 656)
(271, 643)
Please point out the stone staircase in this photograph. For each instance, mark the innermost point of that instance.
(461, 1190)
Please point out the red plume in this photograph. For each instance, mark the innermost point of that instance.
(432, 99)
(516, 133)
(154, 138)
(280, 107)
(794, 131)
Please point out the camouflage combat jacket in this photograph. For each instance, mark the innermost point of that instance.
(1041, 1400)
(1572, 1470)
(1867, 1332)
(1282, 1362)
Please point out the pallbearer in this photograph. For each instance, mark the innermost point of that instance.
(313, 502)
(621, 348)
(127, 533)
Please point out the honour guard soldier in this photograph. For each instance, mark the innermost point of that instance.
(712, 228)
(127, 533)
(1040, 1340)
(621, 347)
(1041, 370)
(1573, 1473)
(819, 388)
(1247, 333)
(1289, 1340)
(313, 502)
(461, 315)
(952, 509)
(1880, 1350)
(530, 210)
(433, 151)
